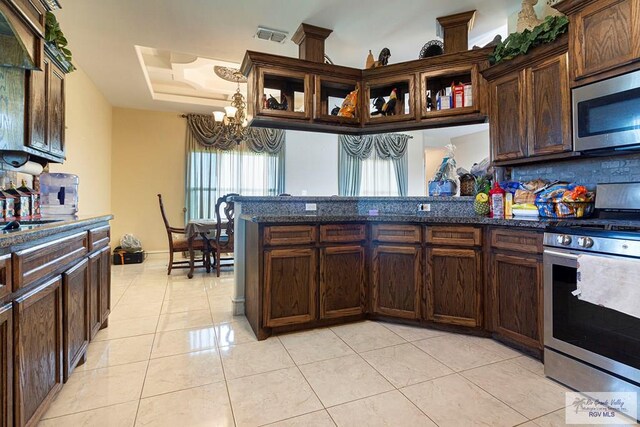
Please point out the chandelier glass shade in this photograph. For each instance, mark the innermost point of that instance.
(232, 123)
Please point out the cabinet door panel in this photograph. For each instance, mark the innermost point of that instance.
(38, 350)
(95, 315)
(508, 128)
(55, 110)
(105, 285)
(5, 275)
(342, 281)
(517, 295)
(6, 366)
(396, 281)
(549, 112)
(75, 291)
(604, 36)
(37, 82)
(453, 283)
(290, 286)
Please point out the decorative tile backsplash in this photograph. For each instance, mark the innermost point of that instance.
(587, 171)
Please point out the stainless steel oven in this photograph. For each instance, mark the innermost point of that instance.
(600, 339)
(588, 346)
(606, 114)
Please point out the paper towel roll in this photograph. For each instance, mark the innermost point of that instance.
(30, 168)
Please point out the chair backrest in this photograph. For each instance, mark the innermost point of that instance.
(225, 220)
(164, 215)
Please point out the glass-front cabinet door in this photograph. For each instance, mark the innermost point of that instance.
(389, 99)
(337, 100)
(449, 91)
(284, 93)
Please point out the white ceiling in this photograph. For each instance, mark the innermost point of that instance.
(103, 34)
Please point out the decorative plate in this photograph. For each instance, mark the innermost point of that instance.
(432, 48)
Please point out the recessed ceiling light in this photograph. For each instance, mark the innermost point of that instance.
(264, 33)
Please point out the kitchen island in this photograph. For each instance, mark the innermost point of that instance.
(54, 298)
(438, 269)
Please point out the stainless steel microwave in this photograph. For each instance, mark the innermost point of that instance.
(606, 114)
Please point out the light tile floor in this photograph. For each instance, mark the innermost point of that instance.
(174, 355)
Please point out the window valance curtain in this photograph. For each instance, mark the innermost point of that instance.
(354, 149)
(387, 146)
(255, 167)
(259, 140)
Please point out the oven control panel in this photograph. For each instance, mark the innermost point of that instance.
(599, 244)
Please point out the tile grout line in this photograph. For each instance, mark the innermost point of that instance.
(146, 371)
(305, 379)
(224, 374)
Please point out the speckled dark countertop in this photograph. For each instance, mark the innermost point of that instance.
(319, 199)
(423, 219)
(30, 232)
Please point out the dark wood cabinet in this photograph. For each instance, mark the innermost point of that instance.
(5, 276)
(508, 128)
(55, 111)
(313, 89)
(530, 105)
(396, 280)
(549, 107)
(37, 84)
(517, 298)
(454, 286)
(290, 286)
(32, 12)
(515, 286)
(38, 350)
(45, 118)
(75, 300)
(99, 290)
(95, 315)
(6, 366)
(603, 37)
(342, 281)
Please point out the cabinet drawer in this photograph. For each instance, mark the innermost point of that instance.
(33, 264)
(517, 240)
(454, 236)
(99, 237)
(395, 233)
(5, 275)
(336, 233)
(289, 235)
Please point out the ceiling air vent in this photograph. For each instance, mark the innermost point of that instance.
(277, 36)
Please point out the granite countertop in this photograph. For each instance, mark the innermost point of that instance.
(318, 199)
(538, 223)
(48, 227)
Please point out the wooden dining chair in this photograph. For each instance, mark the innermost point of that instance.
(223, 240)
(181, 244)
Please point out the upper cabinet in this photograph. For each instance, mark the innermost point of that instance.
(530, 106)
(307, 93)
(604, 38)
(45, 111)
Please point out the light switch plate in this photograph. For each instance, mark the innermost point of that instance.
(310, 207)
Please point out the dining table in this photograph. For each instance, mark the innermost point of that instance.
(198, 228)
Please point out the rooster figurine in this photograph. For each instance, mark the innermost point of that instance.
(387, 108)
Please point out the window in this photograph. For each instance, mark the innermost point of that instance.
(212, 174)
(378, 177)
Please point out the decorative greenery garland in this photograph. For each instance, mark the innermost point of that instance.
(520, 43)
(54, 35)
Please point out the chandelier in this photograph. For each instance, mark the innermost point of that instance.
(232, 123)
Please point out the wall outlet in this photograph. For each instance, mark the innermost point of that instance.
(310, 207)
(424, 207)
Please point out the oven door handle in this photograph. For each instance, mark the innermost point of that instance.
(561, 254)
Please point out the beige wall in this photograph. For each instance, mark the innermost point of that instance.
(88, 140)
(148, 158)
